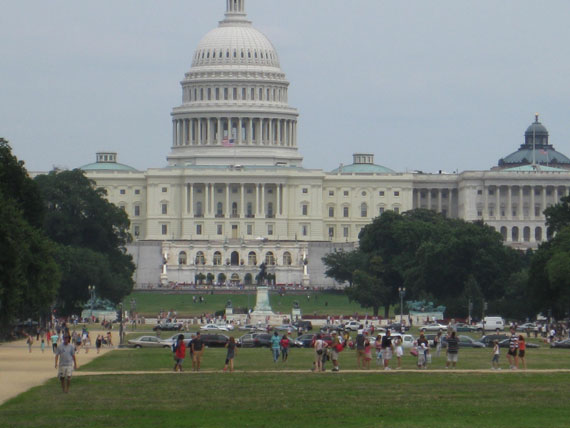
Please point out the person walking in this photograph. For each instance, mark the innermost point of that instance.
(54, 338)
(319, 346)
(496, 355)
(30, 342)
(522, 351)
(360, 349)
(197, 346)
(452, 350)
(285, 342)
(387, 349)
(437, 342)
(512, 356)
(231, 353)
(65, 357)
(399, 351)
(275, 345)
(335, 351)
(179, 353)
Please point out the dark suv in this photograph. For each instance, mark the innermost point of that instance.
(305, 325)
(214, 340)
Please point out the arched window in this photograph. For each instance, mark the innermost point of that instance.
(252, 258)
(200, 259)
(217, 258)
(538, 234)
(182, 258)
(515, 234)
(248, 278)
(504, 233)
(234, 260)
(287, 258)
(270, 259)
(526, 234)
(363, 210)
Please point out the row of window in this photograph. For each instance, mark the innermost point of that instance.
(273, 93)
(235, 260)
(124, 191)
(503, 213)
(381, 193)
(234, 53)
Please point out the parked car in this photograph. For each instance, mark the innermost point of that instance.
(464, 342)
(262, 340)
(305, 340)
(397, 327)
(187, 338)
(491, 324)
(433, 326)
(352, 326)
(168, 326)
(148, 342)
(212, 340)
(305, 325)
(285, 328)
(253, 327)
(505, 344)
(465, 327)
(560, 344)
(213, 327)
(530, 326)
(490, 338)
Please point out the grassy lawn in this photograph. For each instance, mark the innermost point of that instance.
(150, 304)
(316, 400)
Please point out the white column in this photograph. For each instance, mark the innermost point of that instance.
(185, 132)
(439, 208)
(278, 130)
(556, 195)
(543, 200)
(220, 131)
(450, 197)
(520, 212)
(285, 205)
(257, 209)
(270, 132)
(429, 199)
(228, 208)
(174, 136)
(239, 131)
(242, 201)
(532, 202)
(200, 131)
(190, 199)
(509, 202)
(278, 212)
(250, 131)
(262, 200)
(209, 139)
(498, 204)
(485, 202)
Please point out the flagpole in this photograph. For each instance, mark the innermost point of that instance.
(533, 140)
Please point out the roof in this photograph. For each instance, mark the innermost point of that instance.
(533, 168)
(107, 166)
(362, 168)
(542, 156)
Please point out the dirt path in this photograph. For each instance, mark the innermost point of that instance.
(21, 370)
(388, 372)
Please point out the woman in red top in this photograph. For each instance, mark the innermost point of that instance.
(522, 351)
(284, 343)
(179, 352)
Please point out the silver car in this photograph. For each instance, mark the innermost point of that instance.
(148, 342)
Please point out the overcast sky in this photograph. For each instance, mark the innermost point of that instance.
(424, 85)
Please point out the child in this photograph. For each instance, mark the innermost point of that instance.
(421, 355)
(43, 345)
(496, 353)
(367, 354)
(522, 350)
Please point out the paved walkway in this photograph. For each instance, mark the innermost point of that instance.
(21, 370)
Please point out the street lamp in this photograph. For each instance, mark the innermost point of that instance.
(402, 292)
(91, 289)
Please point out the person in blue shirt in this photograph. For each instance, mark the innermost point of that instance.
(275, 345)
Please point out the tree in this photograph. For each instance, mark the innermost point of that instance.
(370, 287)
(549, 276)
(91, 233)
(29, 276)
(341, 265)
(558, 216)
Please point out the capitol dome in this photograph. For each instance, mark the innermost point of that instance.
(234, 107)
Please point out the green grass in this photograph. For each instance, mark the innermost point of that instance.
(320, 303)
(301, 359)
(315, 400)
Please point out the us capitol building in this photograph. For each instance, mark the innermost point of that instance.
(235, 194)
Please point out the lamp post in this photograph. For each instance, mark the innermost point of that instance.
(133, 309)
(91, 289)
(121, 323)
(402, 292)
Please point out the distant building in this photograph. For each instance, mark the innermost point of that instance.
(235, 193)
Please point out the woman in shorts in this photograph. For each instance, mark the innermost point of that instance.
(179, 353)
(522, 351)
(399, 351)
(230, 355)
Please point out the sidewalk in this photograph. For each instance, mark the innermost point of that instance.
(21, 370)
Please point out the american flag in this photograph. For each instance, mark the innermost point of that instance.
(227, 142)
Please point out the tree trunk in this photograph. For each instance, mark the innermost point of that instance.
(387, 311)
(375, 310)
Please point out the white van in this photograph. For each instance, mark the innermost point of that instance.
(491, 324)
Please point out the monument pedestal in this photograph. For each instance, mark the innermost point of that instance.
(262, 311)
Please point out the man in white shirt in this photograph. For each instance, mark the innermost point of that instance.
(65, 356)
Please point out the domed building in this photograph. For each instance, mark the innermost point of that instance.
(535, 151)
(235, 193)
